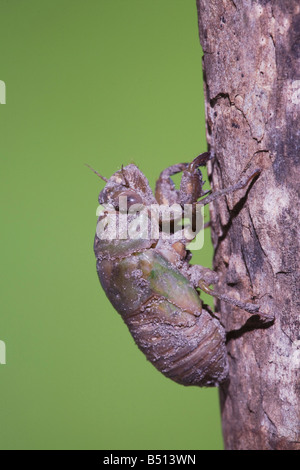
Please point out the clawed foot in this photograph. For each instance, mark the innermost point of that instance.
(253, 309)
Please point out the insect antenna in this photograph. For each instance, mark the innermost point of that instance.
(96, 172)
(124, 176)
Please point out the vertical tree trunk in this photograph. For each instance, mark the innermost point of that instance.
(252, 84)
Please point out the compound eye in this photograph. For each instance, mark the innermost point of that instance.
(134, 199)
(129, 198)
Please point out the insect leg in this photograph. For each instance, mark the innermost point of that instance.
(165, 191)
(191, 182)
(241, 184)
(248, 307)
(197, 272)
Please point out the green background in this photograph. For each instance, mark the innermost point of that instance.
(103, 82)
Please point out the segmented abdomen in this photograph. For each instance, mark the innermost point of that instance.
(165, 317)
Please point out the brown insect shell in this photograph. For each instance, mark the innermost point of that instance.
(162, 309)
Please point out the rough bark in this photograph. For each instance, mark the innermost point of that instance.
(252, 84)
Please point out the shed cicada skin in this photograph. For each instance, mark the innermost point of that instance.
(150, 281)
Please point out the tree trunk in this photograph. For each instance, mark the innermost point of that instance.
(252, 84)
